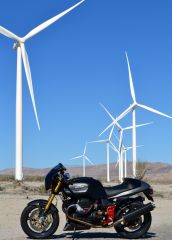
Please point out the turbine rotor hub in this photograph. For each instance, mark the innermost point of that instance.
(16, 45)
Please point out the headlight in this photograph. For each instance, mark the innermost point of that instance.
(67, 175)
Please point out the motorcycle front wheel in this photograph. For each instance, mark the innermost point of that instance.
(38, 225)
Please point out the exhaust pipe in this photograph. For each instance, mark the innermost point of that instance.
(137, 213)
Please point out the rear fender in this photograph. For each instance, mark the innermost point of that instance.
(124, 200)
(41, 203)
(121, 202)
(149, 194)
(128, 201)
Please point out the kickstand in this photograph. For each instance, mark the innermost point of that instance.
(74, 233)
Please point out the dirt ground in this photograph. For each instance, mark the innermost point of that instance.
(11, 206)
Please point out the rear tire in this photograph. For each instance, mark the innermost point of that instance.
(140, 226)
(32, 227)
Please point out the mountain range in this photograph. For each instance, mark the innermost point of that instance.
(155, 171)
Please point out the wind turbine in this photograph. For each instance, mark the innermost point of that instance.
(84, 158)
(123, 159)
(121, 130)
(125, 150)
(132, 108)
(108, 143)
(19, 46)
(121, 162)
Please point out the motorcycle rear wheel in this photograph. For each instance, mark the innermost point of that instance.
(137, 228)
(37, 226)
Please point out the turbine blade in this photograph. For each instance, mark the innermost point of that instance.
(113, 119)
(139, 125)
(131, 80)
(47, 23)
(144, 124)
(113, 147)
(117, 163)
(153, 110)
(99, 141)
(125, 112)
(128, 148)
(85, 148)
(110, 125)
(127, 128)
(9, 34)
(116, 137)
(29, 79)
(107, 111)
(76, 157)
(139, 146)
(120, 141)
(89, 160)
(110, 135)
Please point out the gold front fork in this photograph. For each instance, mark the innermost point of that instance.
(51, 197)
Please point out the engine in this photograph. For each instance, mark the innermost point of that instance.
(92, 212)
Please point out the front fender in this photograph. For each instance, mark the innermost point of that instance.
(41, 203)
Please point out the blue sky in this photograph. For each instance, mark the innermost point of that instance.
(78, 62)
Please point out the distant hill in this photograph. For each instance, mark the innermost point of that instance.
(160, 172)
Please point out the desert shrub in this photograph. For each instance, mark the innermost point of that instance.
(34, 178)
(10, 178)
(2, 188)
(100, 179)
(26, 188)
(158, 194)
(17, 184)
(141, 169)
(6, 178)
(34, 189)
(41, 189)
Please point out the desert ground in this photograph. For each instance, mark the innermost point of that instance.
(13, 200)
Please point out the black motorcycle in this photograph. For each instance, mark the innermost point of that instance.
(87, 204)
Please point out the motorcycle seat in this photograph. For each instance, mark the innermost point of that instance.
(128, 184)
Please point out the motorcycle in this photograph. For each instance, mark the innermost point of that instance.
(87, 204)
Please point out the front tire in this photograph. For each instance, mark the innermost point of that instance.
(38, 225)
(138, 227)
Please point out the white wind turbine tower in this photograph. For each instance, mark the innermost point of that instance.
(120, 148)
(22, 54)
(108, 143)
(84, 159)
(132, 108)
(124, 156)
(125, 150)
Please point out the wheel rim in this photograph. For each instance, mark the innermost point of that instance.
(135, 225)
(39, 223)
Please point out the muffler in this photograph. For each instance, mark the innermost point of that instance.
(135, 214)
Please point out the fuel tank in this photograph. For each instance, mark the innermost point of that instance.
(85, 187)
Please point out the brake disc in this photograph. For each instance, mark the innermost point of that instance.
(39, 223)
